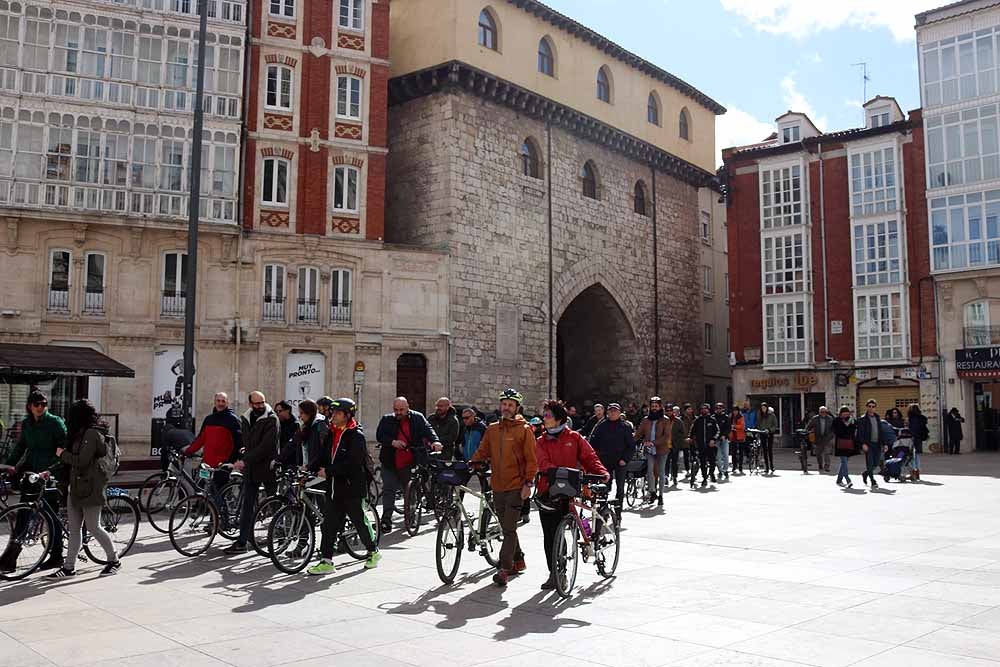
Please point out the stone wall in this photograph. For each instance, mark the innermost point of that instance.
(456, 183)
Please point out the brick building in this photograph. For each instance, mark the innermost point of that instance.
(831, 301)
(561, 173)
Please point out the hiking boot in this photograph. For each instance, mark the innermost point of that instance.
(321, 568)
(549, 584)
(519, 566)
(373, 559)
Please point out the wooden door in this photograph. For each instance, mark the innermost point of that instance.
(411, 380)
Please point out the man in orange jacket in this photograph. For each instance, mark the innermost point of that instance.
(509, 446)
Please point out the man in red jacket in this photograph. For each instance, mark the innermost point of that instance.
(220, 438)
(559, 447)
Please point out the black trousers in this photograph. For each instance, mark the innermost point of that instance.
(550, 521)
(767, 448)
(343, 504)
(671, 469)
(705, 460)
(736, 450)
(688, 453)
(248, 506)
(617, 474)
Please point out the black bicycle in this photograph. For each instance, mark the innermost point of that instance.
(423, 493)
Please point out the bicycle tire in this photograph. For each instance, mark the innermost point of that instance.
(169, 493)
(120, 518)
(490, 537)
(606, 552)
(565, 556)
(266, 512)
(38, 530)
(350, 540)
(413, 507)
(194, 523)
(146, 487)
(229, 512)
(450, 541)
(631, 492)
(291, 525)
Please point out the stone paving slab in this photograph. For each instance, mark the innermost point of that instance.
(760, 571)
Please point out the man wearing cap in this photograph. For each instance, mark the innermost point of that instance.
(654, 433)
(613, 441)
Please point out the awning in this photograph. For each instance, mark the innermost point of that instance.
(34, 363)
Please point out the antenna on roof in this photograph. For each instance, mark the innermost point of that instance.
(864, 81)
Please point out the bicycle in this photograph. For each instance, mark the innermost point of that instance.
(753, 452)
(28, 526)
(595, 537)
(291, 537)
(485, 534)
(421, 492)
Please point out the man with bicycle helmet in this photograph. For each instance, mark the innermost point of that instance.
(344, 463)
(509, 446)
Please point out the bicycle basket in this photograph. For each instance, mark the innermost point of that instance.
(564, 482)
(453, 473)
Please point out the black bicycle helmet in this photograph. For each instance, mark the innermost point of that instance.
(344, 405)
(326, 401)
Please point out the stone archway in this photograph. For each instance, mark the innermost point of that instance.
(597, 353)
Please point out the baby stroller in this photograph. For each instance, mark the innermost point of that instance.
(635, 477)
(900, 465)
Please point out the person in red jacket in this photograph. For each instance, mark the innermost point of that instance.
(221, 439)
(559, 446)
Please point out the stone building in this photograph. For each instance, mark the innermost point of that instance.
(561, 174)
(714, 274)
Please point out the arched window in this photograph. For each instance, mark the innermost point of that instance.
(279, 88)
(345, 189)
(487, 30)
(603, 85)
(640, 203)
(546, 58)
(275, 187)
(588, 176)
(529, 159)
(684, 125)
(653, 109)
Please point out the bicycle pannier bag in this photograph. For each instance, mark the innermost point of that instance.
(564, 482)
(454, 473)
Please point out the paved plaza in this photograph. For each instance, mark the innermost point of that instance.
(761, 571)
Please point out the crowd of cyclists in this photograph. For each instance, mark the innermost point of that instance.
(520, 462)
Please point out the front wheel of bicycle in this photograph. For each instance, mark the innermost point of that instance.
(266, 511)
(291, 539)
(631, 492)
(25, 540)
(120, 519)
(490, 537)
(565, 556)
(413, 508)
(351, 540)
(147, 487)
(450, 544)
(162, 500)
(194, 524)
(231, 498)
(607, 548)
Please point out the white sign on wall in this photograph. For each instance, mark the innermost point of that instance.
(836, 327)
(168, 382)
(305, 376)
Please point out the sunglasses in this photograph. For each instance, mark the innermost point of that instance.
(40, 404)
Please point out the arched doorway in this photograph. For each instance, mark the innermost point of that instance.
(597, 355)
(411, 380)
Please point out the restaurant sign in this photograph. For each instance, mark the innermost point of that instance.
(798, 381)
(978, 362)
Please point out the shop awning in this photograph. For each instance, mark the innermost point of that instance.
(21, 363)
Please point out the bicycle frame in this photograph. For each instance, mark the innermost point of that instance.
(485, 503)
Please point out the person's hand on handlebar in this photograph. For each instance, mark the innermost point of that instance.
(398, 444)
(607, 476)
(437, 446)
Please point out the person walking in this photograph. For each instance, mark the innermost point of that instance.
(472, 432)
(87, 486)
(678, 442)
(820, 428)
(561, 447)
(737, 437)
(953, 425)
(871, 437)
(445, 423)
(613, 441)
(654, 434)
(402, 434)
(767, 422)
(511, 450)
(917, 423)
(845, 444)
(344, 464)
(688, 416)
(704, 435)
(725, 425)
(261, 435)
(599, 414)
(895, 418)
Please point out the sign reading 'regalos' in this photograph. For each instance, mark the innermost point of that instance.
(978, 362)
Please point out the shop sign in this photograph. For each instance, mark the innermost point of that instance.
(909, 373)
(978, 362)
(797, 382)
(751, 354)
(305, 376)
(886, 374)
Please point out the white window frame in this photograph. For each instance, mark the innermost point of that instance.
(785, 265)
(286, 8)
(269, 192)
(791, 134)
(707, 281)
(705, 227)
(880, 351)
(354, 14)
(342, 175)
(307, 290)
(977, 315)
(881, 243)
(341, 301)
(345, 91)
(782, 204)
(879, 117)
(51, 279)
(98, 304)
(874, 181)
(964, 231)
(801, 349)
(180, 277)
(274, 292)
(708, 336)
(958, 68)
(963, 147)
(725, 280)
(279, 98)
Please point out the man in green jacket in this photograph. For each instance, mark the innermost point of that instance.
(42, 433)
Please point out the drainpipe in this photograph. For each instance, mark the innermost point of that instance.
(241, 183)
(552, 333)
(656, 294)
(822, 234)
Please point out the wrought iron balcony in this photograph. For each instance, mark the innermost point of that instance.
(93, 303)
(172, 304)
(308, 311)
(274, 309)
(58, 300)
(340, 313)
(982, 336)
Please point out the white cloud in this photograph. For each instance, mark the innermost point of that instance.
(796, 101)
(738, 128)
(801, 18)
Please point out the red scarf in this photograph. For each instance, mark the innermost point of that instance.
(337, 432)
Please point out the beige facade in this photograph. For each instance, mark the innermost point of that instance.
(426, 33)
(714, 280)
(400, 297)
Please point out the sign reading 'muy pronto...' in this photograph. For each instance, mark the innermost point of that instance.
(978, 362)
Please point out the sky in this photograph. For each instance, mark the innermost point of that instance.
(760, 58)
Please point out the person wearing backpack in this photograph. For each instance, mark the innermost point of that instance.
(90, 460)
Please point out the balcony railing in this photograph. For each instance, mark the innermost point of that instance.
(172, 304)
(308, 311)
(93, 303)
(58, 300)
(274, 309)
(982, 336)
(340, 313)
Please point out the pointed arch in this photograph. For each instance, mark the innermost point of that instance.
(547, 56)
(605, 85)
(488, 30)
(531, 161)
(684, 125)
(654, 110)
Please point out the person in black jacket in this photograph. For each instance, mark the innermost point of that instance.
(704, 434)
(613, 441)
(869, 435)
(595, 419)
(725, 425)
(289, 449)
(260, 446)
(403, 435)
(844, 444)
(344, 464)
(917, 423)
(953, 425)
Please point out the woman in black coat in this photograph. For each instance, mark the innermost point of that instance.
(953, 422)
(917, 423)
(844, 428)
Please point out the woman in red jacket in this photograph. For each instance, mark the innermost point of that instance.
(559, 446)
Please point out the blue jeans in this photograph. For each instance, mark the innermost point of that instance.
(916, 460)
(724, 456)
(872, 458)
(842, 473)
